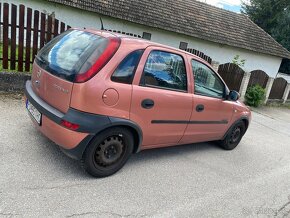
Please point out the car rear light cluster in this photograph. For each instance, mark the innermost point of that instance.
(69, 125)
(109, 52)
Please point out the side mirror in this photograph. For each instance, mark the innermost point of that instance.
(233, 96)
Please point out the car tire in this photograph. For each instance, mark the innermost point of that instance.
(108, 152)
(234, 136)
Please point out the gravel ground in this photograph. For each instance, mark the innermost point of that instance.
(198, 180)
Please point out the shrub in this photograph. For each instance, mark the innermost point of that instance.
(255, 96)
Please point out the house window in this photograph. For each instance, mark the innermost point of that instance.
(183, 45)
(146, 36)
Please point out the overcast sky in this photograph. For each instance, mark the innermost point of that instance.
(232, 5)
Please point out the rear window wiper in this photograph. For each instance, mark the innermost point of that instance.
(41, 59)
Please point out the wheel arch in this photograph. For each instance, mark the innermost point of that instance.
(246, 122)
(113, 122)
(133, 127)
(244, 119)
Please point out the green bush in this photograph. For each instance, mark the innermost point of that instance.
(255, 96)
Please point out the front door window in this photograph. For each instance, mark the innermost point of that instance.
(206, 82)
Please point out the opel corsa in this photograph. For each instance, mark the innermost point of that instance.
(102, 97)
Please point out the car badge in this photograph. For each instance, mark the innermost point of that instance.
(39, 72)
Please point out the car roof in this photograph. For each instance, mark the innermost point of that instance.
(145, 42)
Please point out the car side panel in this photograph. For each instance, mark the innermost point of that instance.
(169, 106)
(210, 124)
(213, 121)
(102, 96)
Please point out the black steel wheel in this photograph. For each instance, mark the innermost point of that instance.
(234, 136)
(108, 152)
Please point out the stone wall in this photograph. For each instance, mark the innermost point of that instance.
(13, 82)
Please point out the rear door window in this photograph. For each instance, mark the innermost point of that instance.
(126, 70)
(65, 55)
(165, 70)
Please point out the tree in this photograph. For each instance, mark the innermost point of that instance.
(265, 13)
(281, 31)
(237, 61)
(274, 17)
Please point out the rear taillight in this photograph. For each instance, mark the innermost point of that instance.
(69, 125)
(109, 52)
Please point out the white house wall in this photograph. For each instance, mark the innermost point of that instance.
(220, 53)
(285, 76)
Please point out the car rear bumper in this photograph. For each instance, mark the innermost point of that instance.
(73, 143)
(50, 126)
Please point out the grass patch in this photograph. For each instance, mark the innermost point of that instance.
(279, 105)
(16, 62)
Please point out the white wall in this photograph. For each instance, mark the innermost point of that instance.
(221, 53)
(285, 76)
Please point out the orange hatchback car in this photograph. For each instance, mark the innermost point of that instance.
(102, 96)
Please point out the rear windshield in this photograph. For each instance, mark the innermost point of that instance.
(71, 53)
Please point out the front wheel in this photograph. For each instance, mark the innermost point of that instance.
(108, 152)
(234, 136)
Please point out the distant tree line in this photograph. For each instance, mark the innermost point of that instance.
(274, 17)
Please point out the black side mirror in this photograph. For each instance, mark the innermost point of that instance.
(233, 96)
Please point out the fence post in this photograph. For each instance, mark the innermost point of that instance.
(286, 93)
(215, 65)
(244, 85)
(268, 88)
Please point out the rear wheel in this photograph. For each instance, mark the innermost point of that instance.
(108, 152)
(234, 136)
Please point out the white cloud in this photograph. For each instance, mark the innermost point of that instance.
(220, 3)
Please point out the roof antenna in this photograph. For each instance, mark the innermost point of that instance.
(102, 25)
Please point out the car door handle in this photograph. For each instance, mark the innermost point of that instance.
(147, 103)
(199, 108)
